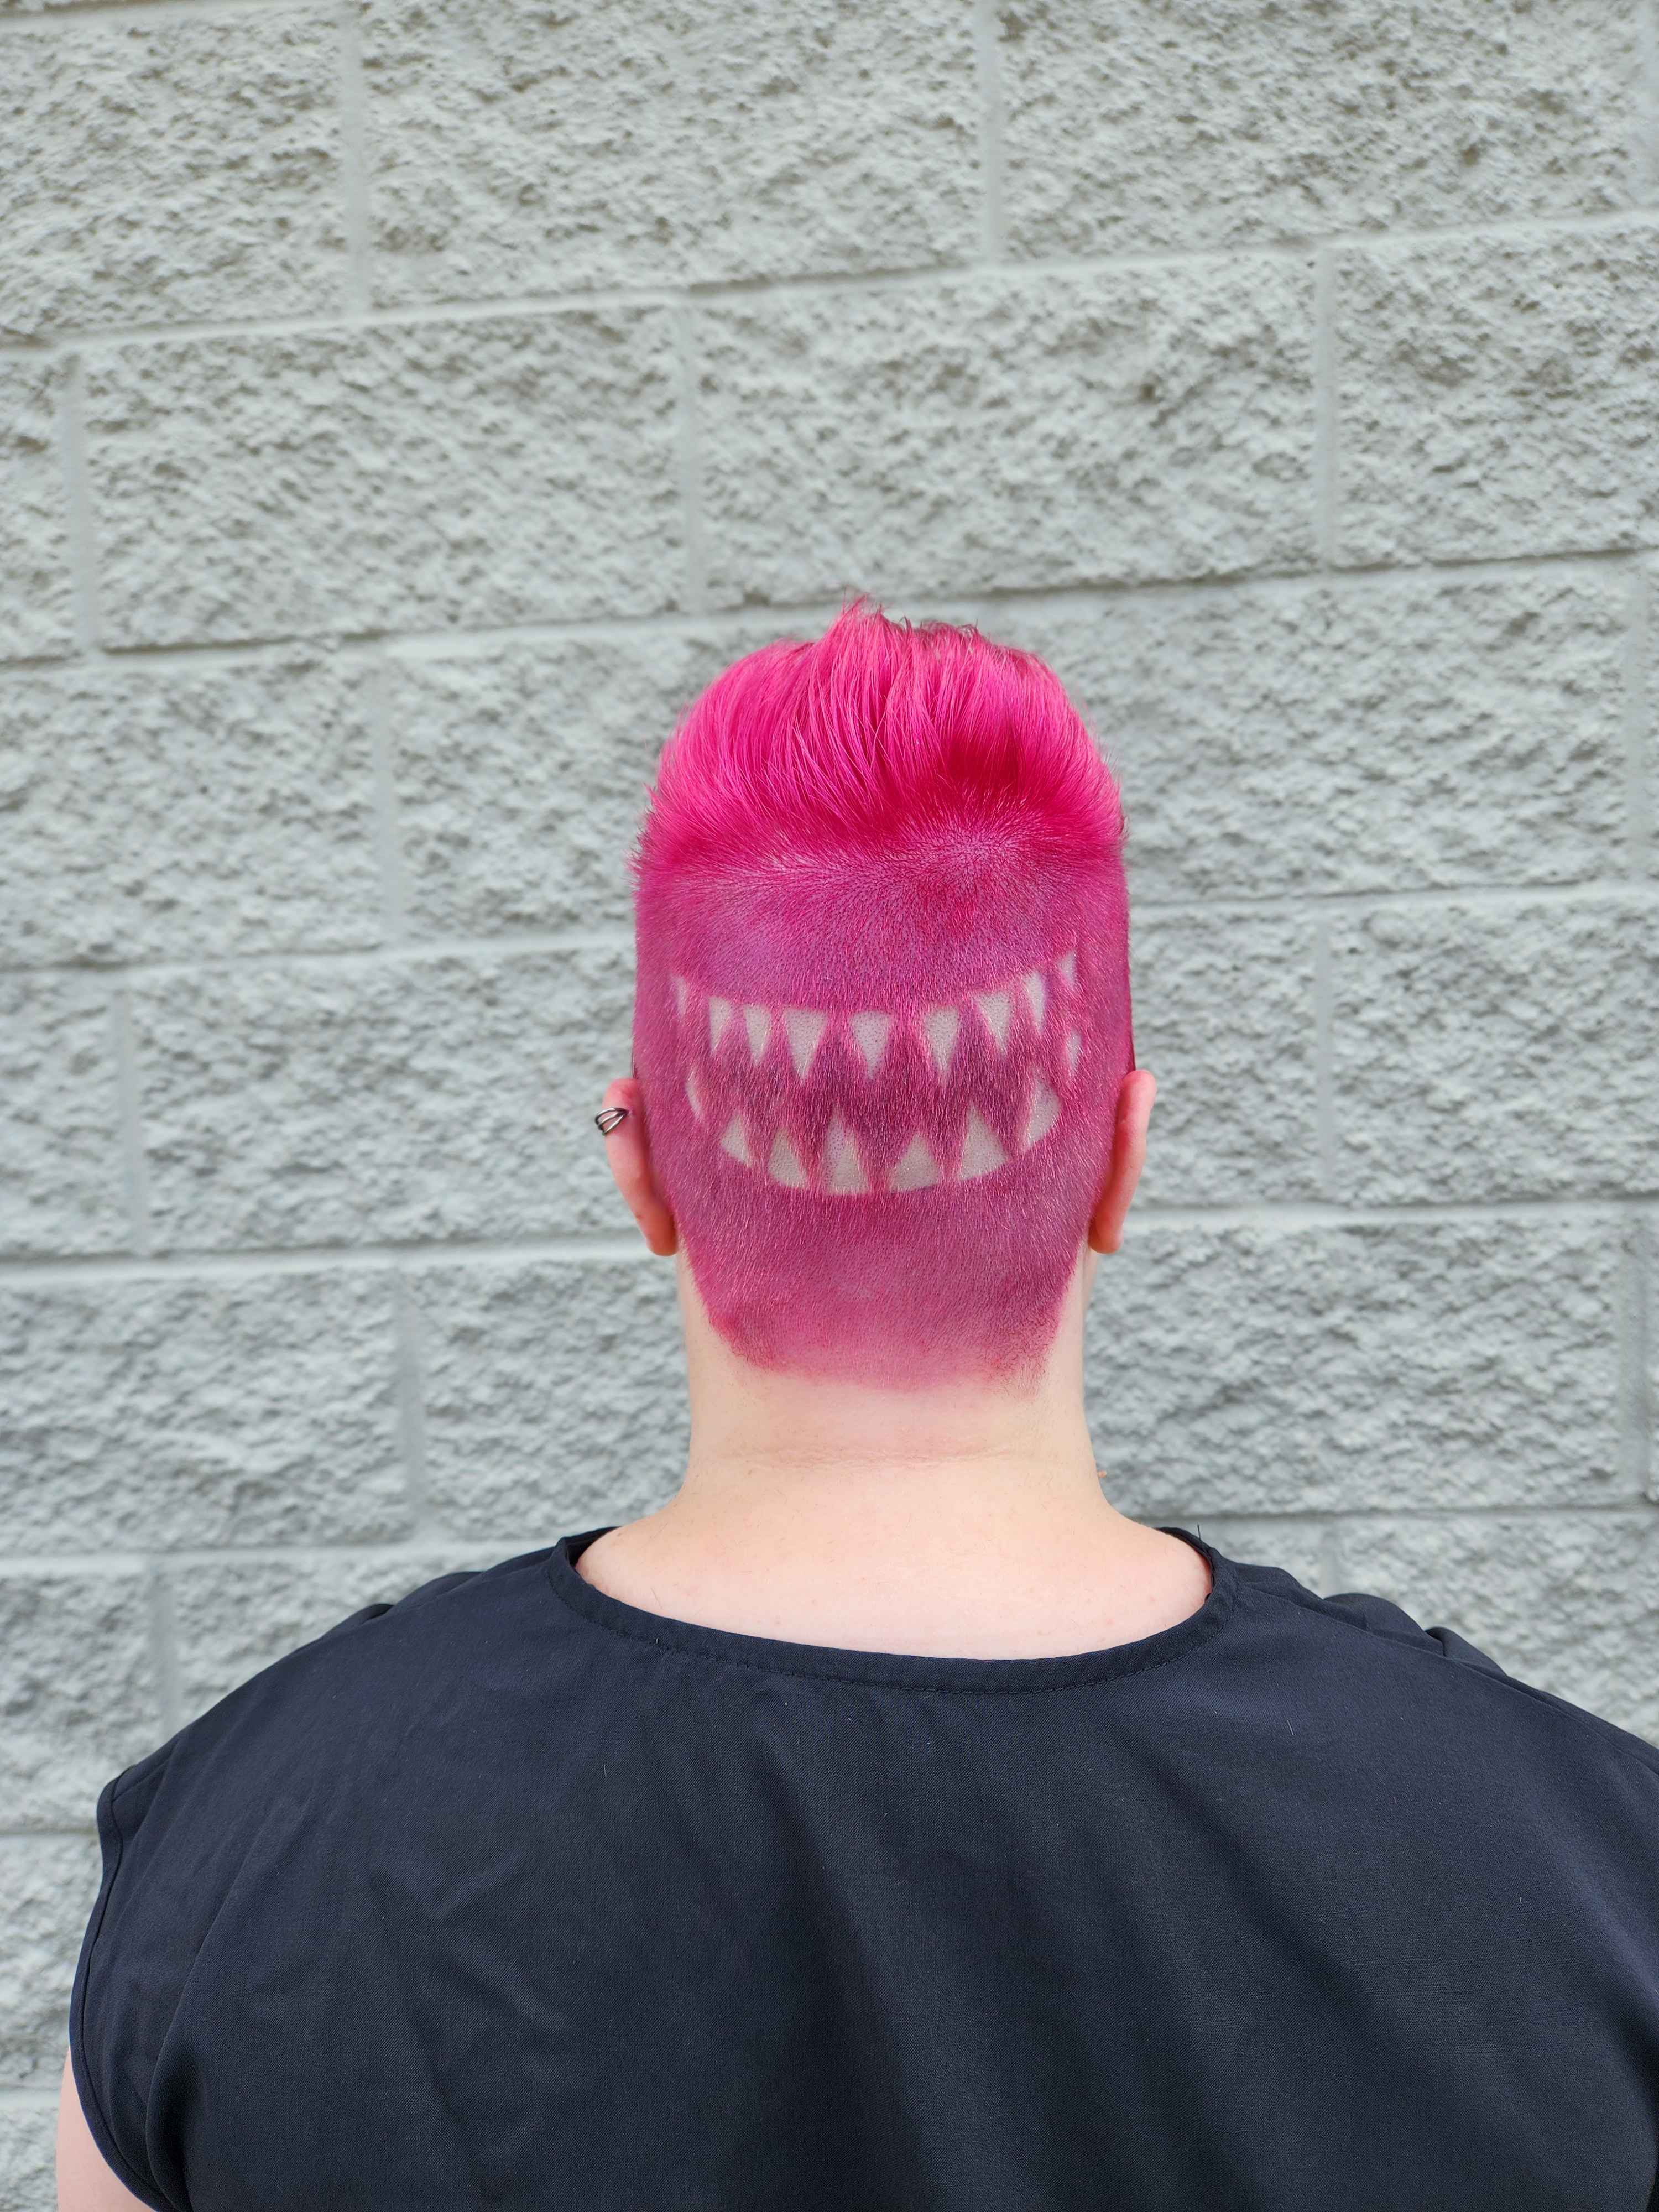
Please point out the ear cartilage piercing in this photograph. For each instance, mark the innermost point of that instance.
(612, 1118)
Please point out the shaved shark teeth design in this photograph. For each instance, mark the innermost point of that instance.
(939, 1025)
(843, 1168)
(724, 1034)
(998, 1008)
(804, 1029)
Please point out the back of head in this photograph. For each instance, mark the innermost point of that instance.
(882, 1000)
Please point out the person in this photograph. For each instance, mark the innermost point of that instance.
(889, 1820)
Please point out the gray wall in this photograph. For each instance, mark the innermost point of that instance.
(406, 409)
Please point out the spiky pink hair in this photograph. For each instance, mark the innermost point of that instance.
(882, 1009)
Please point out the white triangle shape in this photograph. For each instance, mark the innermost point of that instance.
(982, 1153)
(1045, 1112)
(1036, 990)
(918, 1169)
(736, 1143)
(719, 1013)
(804, 1029)
(1066, 967)
(998, 1009)
(1073, 1052)
(939, 1025)
(869, 1033)
(758, 1023)
(784, 1165)
(843, 1170)
(681, 994)
(694, 1096)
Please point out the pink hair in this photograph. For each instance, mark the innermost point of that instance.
(882, 1009)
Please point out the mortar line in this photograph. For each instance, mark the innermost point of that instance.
(993, 126)
(1588, 1509)
(466, 643)
(25, 665)
(167, 11)
(255, 1262)
(435, 1545)
(1313, 1213)
(1325, 456)
(1337, 1517)
(1639, 718)
(247, 1263)
(129, 1124)
(1330, 1556)
(507, 944)
(385, 831)
(164, 1647)
(1324, 1074)
(526, 943)
(410, 1388)
(924, 278)
(688, 457)
(77, 491)
(1636, 1287)
(353, 157)
(440, 1544)
(1645, 161)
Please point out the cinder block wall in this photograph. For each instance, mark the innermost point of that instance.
(407, 408)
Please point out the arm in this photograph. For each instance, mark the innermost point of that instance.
(85, 2182)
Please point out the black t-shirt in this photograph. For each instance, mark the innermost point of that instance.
(512, 1895)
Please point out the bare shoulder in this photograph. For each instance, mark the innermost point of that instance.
(85, 2182)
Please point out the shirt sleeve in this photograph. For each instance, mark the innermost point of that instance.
(119, 2007)
(173, 1830)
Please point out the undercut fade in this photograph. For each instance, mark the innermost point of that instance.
(882, 1010)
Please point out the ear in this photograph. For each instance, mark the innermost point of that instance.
(628, 1150)
(1135, 1111)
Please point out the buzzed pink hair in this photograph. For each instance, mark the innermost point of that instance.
(881, 1010)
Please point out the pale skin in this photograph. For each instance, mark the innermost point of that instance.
(965, 1521)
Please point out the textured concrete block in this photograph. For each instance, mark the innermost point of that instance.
(512, 149)
(171, 170)
(37, 596)
(1495, 396)
(521, 777)
(1300, 1547)
(1115, 426)
(29, 2153)
(163, 1411)
(1381, 734)
(50, 1884)
(232, 1618)
(1495, 1052)
(403, 1100)
(1224, 1018)
(78, 1690)
(553, 1396)
(152, 813)
(1569, 1601)
(490, 471)
(1305, 1370)
(62, 1176)
(1205, 125)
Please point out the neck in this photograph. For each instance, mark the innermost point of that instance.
(920, 1520)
